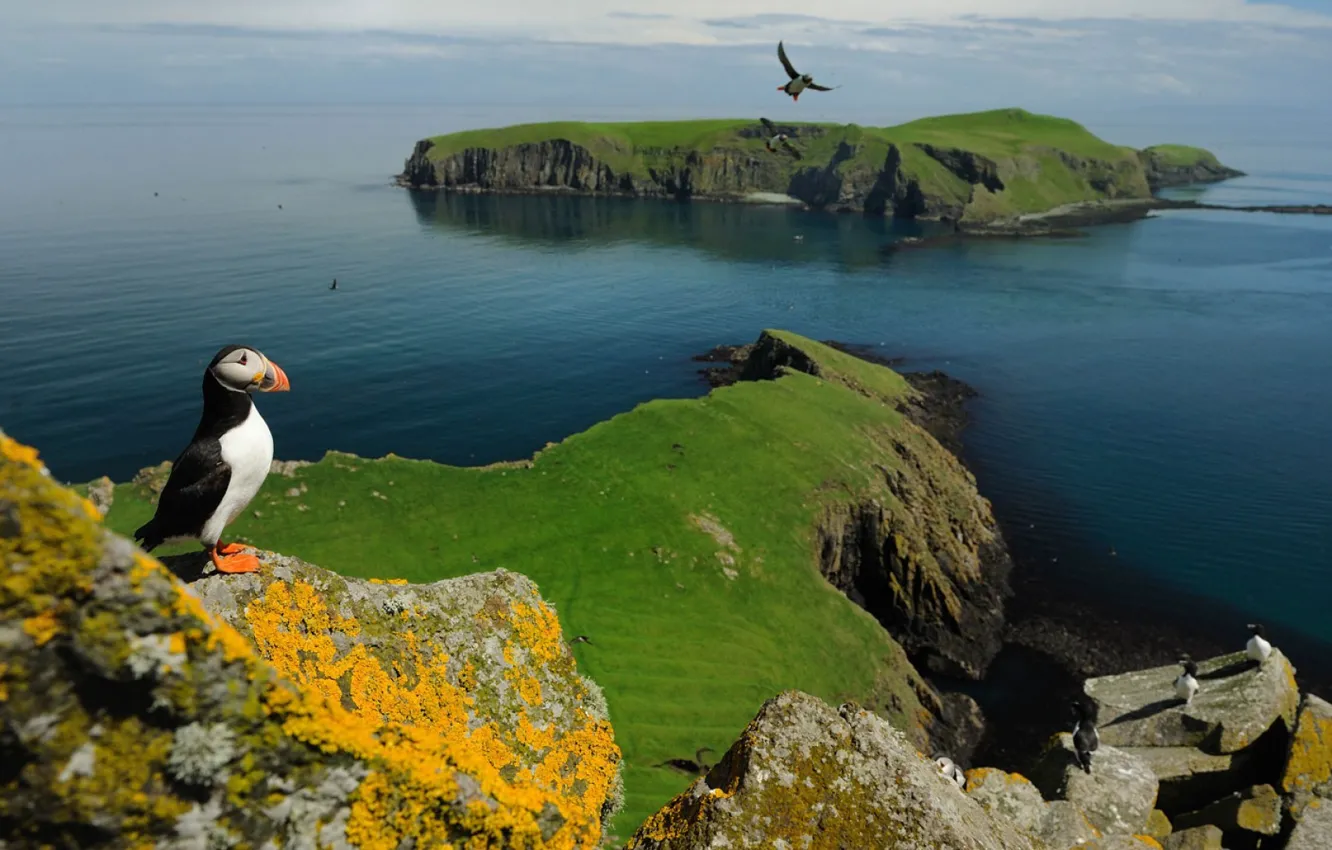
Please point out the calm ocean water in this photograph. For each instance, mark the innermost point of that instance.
(1161, 388)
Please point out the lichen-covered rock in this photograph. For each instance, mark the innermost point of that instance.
(1191, 778)
(1158, 825)
(1237, 703)
(1308, 769)
(806, 775)
(131, 715)
(1313, 830)
(1064, 825)
(1117, 796)
(1010, 796)
(1122, 842)
(1256, 810)
(1199, 838)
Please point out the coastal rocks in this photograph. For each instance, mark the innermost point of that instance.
(1236, 704)
(1308, 770)
(1256, 810)
(102, 493)
(971, 167)
(1117, 796)
(804, 774)
(1010, 796)
(1313, 829)
(1064, 825)
(1169, 165)
(1198, 838)
(131, 715)
(1191, 778)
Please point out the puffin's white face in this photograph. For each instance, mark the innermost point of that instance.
(245, 370)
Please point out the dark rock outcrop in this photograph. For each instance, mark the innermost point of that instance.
(1164, 171)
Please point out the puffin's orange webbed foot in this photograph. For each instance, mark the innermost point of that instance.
(229, 548)
(234, 563)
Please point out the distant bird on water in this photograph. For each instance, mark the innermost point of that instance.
(1186, 685)
(334, 284)
(1258, 648)
(950, 771)
(798, 82)
(225, 463)
(1086, 739)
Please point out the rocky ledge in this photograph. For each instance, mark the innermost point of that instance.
(144, 703)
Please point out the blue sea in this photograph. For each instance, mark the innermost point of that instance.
(1160, 389)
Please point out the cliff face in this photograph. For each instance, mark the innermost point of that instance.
(922, 553)
(289, 709)
(901, 172)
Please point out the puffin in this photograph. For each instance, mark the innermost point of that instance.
(1085, 737)
(1258, 648)
(778, 139)
(798, 82)
(224, 465)
(950, 771)
(1186, 685)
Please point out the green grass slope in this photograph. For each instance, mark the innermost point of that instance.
(1182, 156)
(680, 537)
(1043, 161)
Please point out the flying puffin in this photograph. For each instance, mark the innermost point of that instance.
(1187, 683)
(798, 82)
(778, 139)
(225, 463)
(1085, 737)
(950, 771)
(1258, 648)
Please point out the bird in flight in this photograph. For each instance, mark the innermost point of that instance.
(798, 82)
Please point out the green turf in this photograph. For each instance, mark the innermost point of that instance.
(624, 528)
(1044, 161)
(1182, 155)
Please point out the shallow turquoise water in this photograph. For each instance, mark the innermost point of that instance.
(1161, 388)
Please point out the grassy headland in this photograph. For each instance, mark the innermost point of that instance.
(682, 538)
(977, 167)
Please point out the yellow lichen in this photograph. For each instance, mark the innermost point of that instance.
(1310, 761)
(42, 627)
(1148, 841)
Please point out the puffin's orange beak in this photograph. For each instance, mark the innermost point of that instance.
(275, 380)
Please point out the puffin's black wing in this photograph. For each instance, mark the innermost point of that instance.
(768, 127)
(195, 488)
(792, 149)
(821, 88)
(786, 63)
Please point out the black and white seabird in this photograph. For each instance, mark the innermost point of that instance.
(1258, 648)
(225, 463)
(1085, 737)
(778, 140)
(334, 284)
(798, 82)
(1186, 684)
(950, 771)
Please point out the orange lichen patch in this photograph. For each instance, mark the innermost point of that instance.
(42, 627)
(539, 630)
(407, 714)
(1148, 841)
(978, 776)
(1309, 763)
(16, 452)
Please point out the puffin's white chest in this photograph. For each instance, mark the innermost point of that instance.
(248, 450)
(1185, 687)
(796, 86)
(1258, 648)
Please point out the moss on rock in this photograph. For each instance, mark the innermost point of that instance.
(806, 775)
(130, 714)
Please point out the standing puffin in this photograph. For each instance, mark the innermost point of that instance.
(1186, 685)
(225, 463)
(1086, 739)
(798, 82)
(1258, 648)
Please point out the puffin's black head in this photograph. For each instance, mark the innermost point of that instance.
(1084, 709)
(1190, 666)
(245, 370)
(807, 78)
(1258, 629)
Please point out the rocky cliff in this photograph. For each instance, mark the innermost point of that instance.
(293, 708)
(975, 168)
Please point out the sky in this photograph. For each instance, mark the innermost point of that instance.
(710, 56)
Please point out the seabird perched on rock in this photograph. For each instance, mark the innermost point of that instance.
(1086, 739)
(225, 463)
(1186, 684)
(798, 82)
(950, 771)
(1258, 648)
